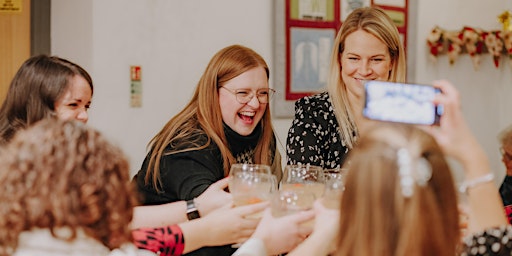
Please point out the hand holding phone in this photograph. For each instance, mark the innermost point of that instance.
(401, 102)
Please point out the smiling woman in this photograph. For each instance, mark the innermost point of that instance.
(45, 86)
(327, 125)
(227, 121)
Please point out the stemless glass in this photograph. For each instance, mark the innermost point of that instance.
(285, 202)
(304, 177)
(334, 186)
(251, 183)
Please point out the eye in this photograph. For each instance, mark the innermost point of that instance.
(73, 104)
(242, 93)
(263, 93)
(377, 59)
(352, 58)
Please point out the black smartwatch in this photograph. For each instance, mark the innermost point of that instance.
(192, 212)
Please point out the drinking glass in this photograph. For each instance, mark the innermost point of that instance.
(334, 180)
(251, 183)
(304, 177)
(285, 202)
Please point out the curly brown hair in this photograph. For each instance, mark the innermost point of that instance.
(63, 174)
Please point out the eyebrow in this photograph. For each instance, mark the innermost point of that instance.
(79, 100)
(372, 56)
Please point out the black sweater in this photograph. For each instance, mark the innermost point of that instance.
(188, 174)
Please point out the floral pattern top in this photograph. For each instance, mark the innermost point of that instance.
(314, 136)
(493, 241)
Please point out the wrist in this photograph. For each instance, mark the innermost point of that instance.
(192, 210)
(477, 181)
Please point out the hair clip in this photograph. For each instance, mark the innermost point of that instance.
(419, 173)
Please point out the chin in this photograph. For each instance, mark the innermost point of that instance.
(245, 131)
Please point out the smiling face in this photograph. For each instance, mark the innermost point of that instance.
(365, 57)
(243, 118)
(75, 102)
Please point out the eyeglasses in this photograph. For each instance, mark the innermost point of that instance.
(245, 95)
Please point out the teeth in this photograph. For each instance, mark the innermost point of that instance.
(247, 113)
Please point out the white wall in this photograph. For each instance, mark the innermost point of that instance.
(173, 41)
(485, 93)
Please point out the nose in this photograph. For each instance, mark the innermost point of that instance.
(83, 116)
(254, 102)
(365, 69)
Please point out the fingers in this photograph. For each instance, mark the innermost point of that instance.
(302, 216)
(449, 94)
(305, 230)
(249, 224)
(250, 209)
(221, 184)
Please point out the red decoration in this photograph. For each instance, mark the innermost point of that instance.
(473, 41)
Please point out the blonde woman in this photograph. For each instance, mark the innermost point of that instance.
(326, 126)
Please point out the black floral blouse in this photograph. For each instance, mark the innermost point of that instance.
(493, 241)
(314, 136)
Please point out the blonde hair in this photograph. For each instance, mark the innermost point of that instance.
(202, 116)
(376, 22)
(505, 137)
(377, 219)
(62, 174)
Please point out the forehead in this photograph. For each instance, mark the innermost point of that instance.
(361, 42)
(254, 78)
(79, 88)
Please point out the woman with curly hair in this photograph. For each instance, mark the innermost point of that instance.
(65, 189)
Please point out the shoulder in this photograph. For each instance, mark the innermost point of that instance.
(318, 103)
(194, 139)
(314, 100)
(317, 107)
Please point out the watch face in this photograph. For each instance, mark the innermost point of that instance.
(192, 212)
(193, 215)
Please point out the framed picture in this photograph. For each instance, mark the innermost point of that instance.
(304, 38)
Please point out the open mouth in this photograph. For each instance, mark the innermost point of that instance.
(246, 116)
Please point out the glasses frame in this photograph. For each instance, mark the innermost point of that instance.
(271, 93)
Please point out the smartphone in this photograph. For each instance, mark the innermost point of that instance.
(401, 103)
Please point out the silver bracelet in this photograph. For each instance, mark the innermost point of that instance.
(476, 181)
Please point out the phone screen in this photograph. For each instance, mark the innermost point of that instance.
(400, 102)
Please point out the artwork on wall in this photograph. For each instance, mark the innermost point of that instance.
(304, 41)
